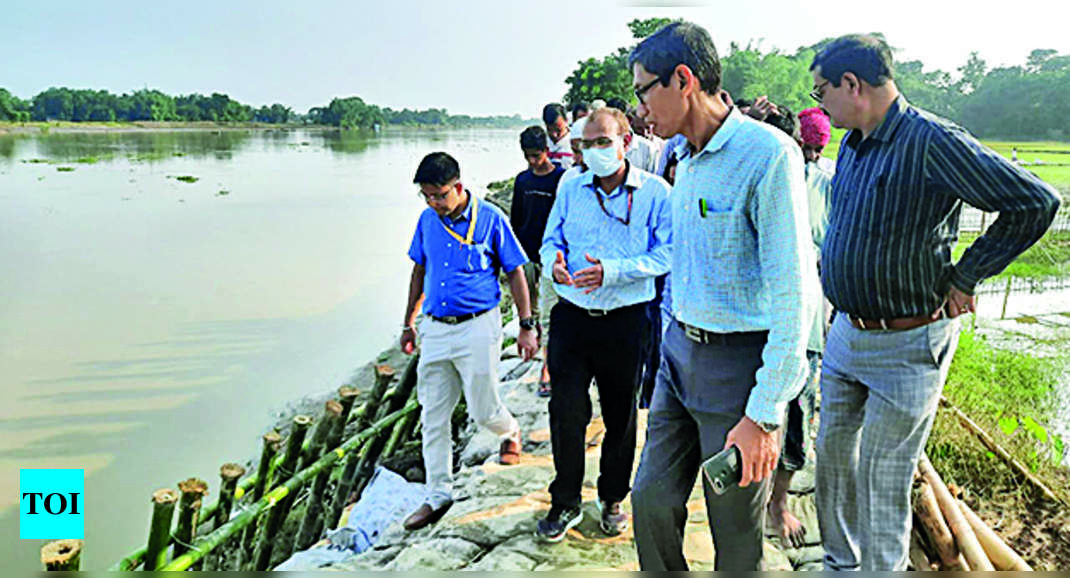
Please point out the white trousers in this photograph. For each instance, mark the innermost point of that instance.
(454, 359)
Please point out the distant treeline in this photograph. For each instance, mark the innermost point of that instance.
(82, 105)
(1028, 102)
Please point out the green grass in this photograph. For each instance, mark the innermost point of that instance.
(1011, 396)
(1049, 258)
(65, 169)
(187, 178)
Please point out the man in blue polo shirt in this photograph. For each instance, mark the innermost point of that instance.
(459, 247)
(607, 237)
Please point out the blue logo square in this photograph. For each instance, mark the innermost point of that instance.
(51, 504)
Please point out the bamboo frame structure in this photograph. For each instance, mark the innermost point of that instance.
(284, 472)
(271, 499)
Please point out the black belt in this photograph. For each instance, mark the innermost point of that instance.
(699, 335)
(600, 312)
(455, 319)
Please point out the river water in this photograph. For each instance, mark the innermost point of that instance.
(150, 327)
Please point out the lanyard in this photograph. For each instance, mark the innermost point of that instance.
(467, 239)
(627, 217)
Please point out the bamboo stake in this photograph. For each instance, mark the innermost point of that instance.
(319, 435)
(312, 523)
(987, 441)
(384, 374)
(357, 466)
(1006, 297)
(932, 524)
(272, 443)
(960, 528)
(229, 475)
(271, 499)
(918, 558)
(189, 506)
(400, 431)
(163, 509)
(266, 544)
(347, 396)
(62, 555)
(1003, 557)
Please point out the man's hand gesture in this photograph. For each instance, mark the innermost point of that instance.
(560, 270)
(591, 277)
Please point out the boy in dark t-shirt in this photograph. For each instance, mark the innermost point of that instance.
(534, 191)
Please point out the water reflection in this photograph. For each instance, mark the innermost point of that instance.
(148, 146)
(7, 147)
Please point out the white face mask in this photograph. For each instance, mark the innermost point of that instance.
(603, 162)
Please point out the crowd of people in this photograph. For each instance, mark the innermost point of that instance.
(700, 258)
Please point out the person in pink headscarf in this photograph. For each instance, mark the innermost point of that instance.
(815, 129)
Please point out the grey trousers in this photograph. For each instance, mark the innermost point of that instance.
(700, 395)
(879, 393)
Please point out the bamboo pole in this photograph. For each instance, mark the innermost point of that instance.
(400, 431)
(319, 435)
(1006, 297)
(62, 555)
(960, 528)
(272, 443)
(229, 475)
(935, 528)
(189, 506)
(1003, 557)
(384, 374)
(312, 523)
(918, 558)
(271, 500)
(357, 466)
(163, 509)
(347, 396)
(987, 441)
(285, 471)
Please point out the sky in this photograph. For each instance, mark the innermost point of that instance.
(470, 57)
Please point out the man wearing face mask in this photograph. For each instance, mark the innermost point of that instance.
(607, 237)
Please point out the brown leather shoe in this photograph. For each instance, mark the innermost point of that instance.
(509, 452)
(425, 516)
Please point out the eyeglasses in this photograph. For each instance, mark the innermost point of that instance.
(816, 92)
(600, 142)
(640, 93)
(435, 196)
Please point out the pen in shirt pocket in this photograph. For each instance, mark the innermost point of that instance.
(703, 208)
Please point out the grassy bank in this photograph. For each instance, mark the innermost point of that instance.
(1011, 396)
(1048, 258)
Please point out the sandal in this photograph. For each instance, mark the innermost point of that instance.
(544, 389)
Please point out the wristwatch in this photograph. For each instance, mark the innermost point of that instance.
(528, 323)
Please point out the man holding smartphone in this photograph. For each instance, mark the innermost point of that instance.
(743, 293)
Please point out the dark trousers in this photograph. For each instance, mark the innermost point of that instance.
(701, 394)
(608, 348)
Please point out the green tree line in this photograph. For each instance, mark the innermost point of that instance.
(1027, 102)
(81, 105)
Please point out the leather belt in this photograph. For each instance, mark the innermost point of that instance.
(455, 319)
(600, 312)
(897, 324)
(699, 335)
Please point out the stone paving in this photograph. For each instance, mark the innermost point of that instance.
(491, 525)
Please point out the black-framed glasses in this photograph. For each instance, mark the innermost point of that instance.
(640, 93)
(816, 92)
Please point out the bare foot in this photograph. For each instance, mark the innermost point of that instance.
(788, 527)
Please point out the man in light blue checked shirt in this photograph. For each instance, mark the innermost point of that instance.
(743, 293)
(607, 238)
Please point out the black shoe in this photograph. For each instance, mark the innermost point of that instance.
(553, 527)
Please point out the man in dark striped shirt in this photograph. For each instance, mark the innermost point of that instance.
(901, 180)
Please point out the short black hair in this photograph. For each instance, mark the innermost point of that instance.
(680, 43)
(743, 103)
(867, 56)
(785, 120)
(580, 106)
(438, 169)
(617, 103)
(533, 139)
(552, 112)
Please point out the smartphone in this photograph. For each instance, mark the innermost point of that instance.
(723, 470)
